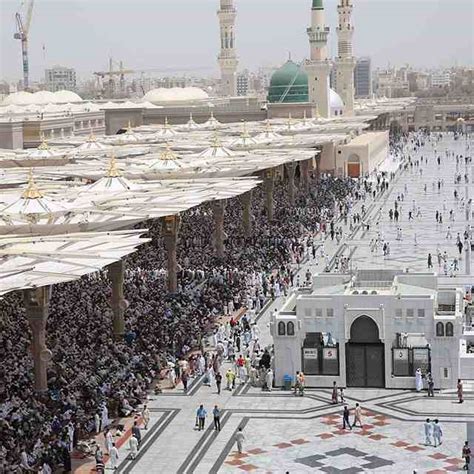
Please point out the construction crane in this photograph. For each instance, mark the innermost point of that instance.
(111, 73)
(117, 69)
(23, 28)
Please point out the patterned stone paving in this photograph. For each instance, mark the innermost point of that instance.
(284, 433)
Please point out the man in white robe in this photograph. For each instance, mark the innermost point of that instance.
(418, 380)
(114, 457)
(133, 445)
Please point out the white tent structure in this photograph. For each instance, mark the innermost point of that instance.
(36, 261)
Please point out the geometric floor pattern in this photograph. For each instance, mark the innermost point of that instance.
(378, 447)
(291, 434)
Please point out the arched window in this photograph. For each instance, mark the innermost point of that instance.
(281, 329)
(449, 329)
(290, 328)
(440, 329)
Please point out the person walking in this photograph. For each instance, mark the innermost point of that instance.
(418, 380)
(341, 395)
(217, 418)
(146, 417)
(109, 440)
(230, 378)
(460, 391)
(430, 261)
(201, 417)
(466, 454)
(136, 432)
(345, 418)
(133, 445)
(357, 416)
(218, 382)
(430, 382)
(99, 459)
(334, 393)
(428, 431)
(184, 380)
(114, 457)
(437, 434)
(239, 438)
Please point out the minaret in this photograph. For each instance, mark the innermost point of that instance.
(227, 56)
(345, 62)
(318, 67)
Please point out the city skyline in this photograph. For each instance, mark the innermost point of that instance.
(266, 31)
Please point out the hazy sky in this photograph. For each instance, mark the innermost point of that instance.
(182, 35)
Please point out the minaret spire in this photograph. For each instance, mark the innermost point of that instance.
(345, 62)
(318, 66)
(227, 57)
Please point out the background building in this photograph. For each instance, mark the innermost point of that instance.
(373, 328)
(243, 83)
(363, 78)
(60, 78)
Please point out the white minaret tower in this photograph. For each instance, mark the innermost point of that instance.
(227, 56)
(345, 62)
(318, 67)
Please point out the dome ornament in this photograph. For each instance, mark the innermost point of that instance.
(168, 153)
(113, 171)
(44, 144)
(31, 191)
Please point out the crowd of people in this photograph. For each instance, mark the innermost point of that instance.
(93, 378)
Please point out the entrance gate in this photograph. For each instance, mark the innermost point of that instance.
(365, 361)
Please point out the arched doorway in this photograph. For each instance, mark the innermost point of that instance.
(353, 166)
(365, 362)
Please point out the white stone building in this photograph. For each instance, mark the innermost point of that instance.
(370, 329)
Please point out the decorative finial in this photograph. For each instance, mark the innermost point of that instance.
(91, 136)
(166, 122)
(31, 191)
(168, 153)
(129, 128)
(245, 133)
(289, 121)
(304, 115)
(216, 143)
(44, 144)
(113, 171)
(268, 127)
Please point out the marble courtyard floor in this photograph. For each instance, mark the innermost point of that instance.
(284, 433)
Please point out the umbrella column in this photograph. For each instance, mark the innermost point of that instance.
(247, 213)
(304, 174)
(268, 184)
(291, 169)
(218, 209)
(317, 159)
(36, 303)
(170, 231)
(118, 303)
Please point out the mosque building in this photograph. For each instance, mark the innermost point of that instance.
(304, 89)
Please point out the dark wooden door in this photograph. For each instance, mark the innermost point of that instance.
(365, 365)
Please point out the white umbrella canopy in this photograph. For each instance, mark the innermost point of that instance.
(35, 261)
(44, 151)
(211, 123)
(168, 161)
(166, 131)
(216, 150)
(33, 202)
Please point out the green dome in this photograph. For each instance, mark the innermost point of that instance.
(288, 84)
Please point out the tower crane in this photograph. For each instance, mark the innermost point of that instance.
(23, 28)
